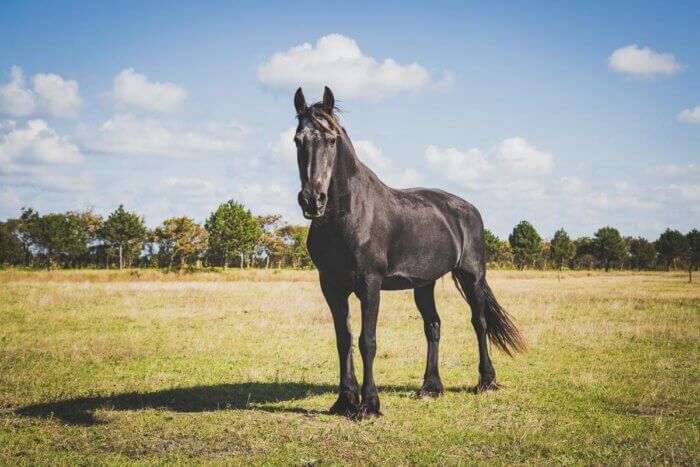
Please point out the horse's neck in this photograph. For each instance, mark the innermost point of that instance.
(351, 179)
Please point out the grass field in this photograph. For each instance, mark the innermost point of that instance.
(109, 367)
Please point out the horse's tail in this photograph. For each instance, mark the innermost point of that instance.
(500, 329)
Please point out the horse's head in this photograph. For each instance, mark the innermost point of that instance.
(315, 138)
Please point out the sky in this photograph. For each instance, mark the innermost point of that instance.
(566, 114)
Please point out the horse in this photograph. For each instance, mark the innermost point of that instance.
(366, 237)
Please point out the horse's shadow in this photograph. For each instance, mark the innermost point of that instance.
(240, 396)
(237, 396)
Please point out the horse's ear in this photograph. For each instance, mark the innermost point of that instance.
(328, 100)
(300, 101)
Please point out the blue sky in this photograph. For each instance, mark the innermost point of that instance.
(574, 115)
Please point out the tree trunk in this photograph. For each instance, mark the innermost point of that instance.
(225, 260)
(267, 261)
(241, 254)
(121, 257)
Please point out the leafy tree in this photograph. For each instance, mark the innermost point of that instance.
(295, 237)
(77, 241)
(526, 244)
(671, 245)
(11, 251)
(609, 246)
(505, 253)
(584, 258)
(181, 238)
(22, 233)
(125, 231)
(492, 246)
(642, 253)
(271, 244)
(232, 230)
(545, 254)
(563, 249)
(91, 223)
(693, 238)
(57, 236)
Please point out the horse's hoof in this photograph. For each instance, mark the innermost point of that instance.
(431, 390)
(485, 386)
(365, 413)
(347, 405)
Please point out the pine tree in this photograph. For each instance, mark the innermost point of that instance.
(526, 244)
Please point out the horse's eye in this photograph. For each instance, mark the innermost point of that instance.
(331, 140)
(297, 140)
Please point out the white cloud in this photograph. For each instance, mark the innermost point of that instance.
(616, 202)
(674, 170)
(58, 96)
(337, 61)
(51, 95)
(507, 163)
(284, 149)
(456, 165)
(690, 115)
(127, 134)
(688, 191)
(34, 144)
(132, 89)
(191, 186)
(374, 158)
(15, 99)
(568, 186)
(643, 62)
(522, 158)
(35, 154)
(9, 199)
(269, 198)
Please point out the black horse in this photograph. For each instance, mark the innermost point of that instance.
(366, 236)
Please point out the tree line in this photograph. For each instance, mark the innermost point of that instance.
(606, 249)
(233, 236)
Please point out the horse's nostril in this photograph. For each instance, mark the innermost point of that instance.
(322, 198)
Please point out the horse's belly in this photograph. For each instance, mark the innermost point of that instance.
(419, 264)
(401, 282)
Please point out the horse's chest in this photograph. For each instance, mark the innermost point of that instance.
(328, 249)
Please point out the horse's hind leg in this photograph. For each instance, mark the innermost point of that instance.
(425, 300)
(476, 298)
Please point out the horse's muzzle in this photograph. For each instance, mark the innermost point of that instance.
(313, 205)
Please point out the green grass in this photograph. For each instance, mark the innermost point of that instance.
(104, 367)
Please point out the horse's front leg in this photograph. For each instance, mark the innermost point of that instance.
(368, 293)
(348, 402)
